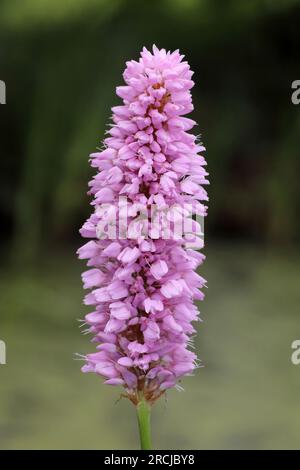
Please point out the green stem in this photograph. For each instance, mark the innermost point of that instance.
(143, 413)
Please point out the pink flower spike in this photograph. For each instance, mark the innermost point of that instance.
(142, 274)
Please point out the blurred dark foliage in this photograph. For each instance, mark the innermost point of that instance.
(61, 62)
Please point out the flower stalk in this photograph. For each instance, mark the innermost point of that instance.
(143, 410)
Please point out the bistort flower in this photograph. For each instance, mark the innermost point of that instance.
(142, 287)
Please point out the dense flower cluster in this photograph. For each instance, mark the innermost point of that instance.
(142, 289)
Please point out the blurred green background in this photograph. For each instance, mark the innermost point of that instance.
(61, 62)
